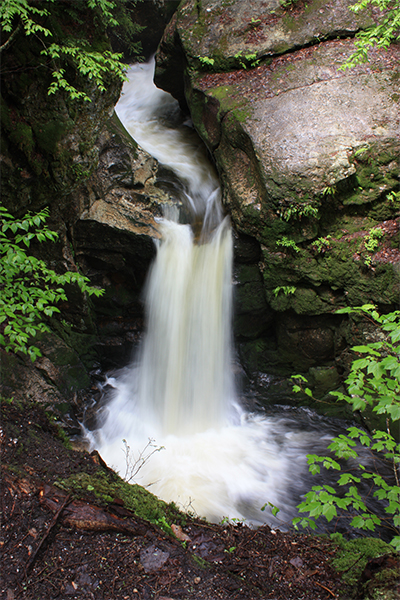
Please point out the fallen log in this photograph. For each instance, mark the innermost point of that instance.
(82, 515)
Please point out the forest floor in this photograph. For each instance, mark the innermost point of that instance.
(64, 540)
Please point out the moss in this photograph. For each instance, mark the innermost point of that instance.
(377, 171)
(326, 280)
(106, 487)
(49, 134)
(83, 344)
(323, 380)
(16, 470)
(231, 100)
(22, 136)
(241, 114)
(5, 119)
(63, 437)
(76, 378)
(352, 556)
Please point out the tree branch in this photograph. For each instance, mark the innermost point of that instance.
(11, 38)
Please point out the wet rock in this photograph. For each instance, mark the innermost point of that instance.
(324, 379)
(151, 17)
(252, 314)
(113, 236)
(292, 344)
(55, 378)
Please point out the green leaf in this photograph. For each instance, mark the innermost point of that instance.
(358, 522)
(394, 412)
(329, 512)
(367, 349)
(396, 543)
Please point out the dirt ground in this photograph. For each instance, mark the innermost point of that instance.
(57, 544)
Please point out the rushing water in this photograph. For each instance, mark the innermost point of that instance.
(211, 457)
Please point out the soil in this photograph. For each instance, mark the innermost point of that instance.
(59, 544)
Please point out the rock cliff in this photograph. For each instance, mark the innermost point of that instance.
(103, 192)
(308, 156)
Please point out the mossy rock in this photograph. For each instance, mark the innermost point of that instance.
(352, 557)
(107, 487)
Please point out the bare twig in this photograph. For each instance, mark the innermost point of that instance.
(325, 588)
(53, 522)
(133, 465)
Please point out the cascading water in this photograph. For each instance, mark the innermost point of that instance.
(216, 459)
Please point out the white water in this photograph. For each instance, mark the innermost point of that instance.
(216, 460)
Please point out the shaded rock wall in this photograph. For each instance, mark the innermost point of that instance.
(308, 157)
(103, 193)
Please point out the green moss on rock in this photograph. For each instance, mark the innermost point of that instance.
(107, 487)
(353, 555)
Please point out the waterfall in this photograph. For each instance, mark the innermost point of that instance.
(211, 456)
(185, 376)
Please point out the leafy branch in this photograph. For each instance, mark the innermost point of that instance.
(30, 290)
(381, 35)
(374, 380)
(92, 65)
(17, 15)
(288, 243)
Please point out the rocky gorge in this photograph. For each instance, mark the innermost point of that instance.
(308, 159)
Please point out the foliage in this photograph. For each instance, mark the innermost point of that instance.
(93, 65)
(288, 3)
(300, 379)
(374, 381)
(274, 509)
(286, 289)
(29, 288)
(248, 60)
(62, 49)
(297, 211)
(287, 243)
(381, 35)
(360, 151)
(394, 199)
(371, 242)
(206, 61)
(329, 190)
(233, 520)
(322, 244)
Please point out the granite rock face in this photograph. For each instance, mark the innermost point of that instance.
(308, 156)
